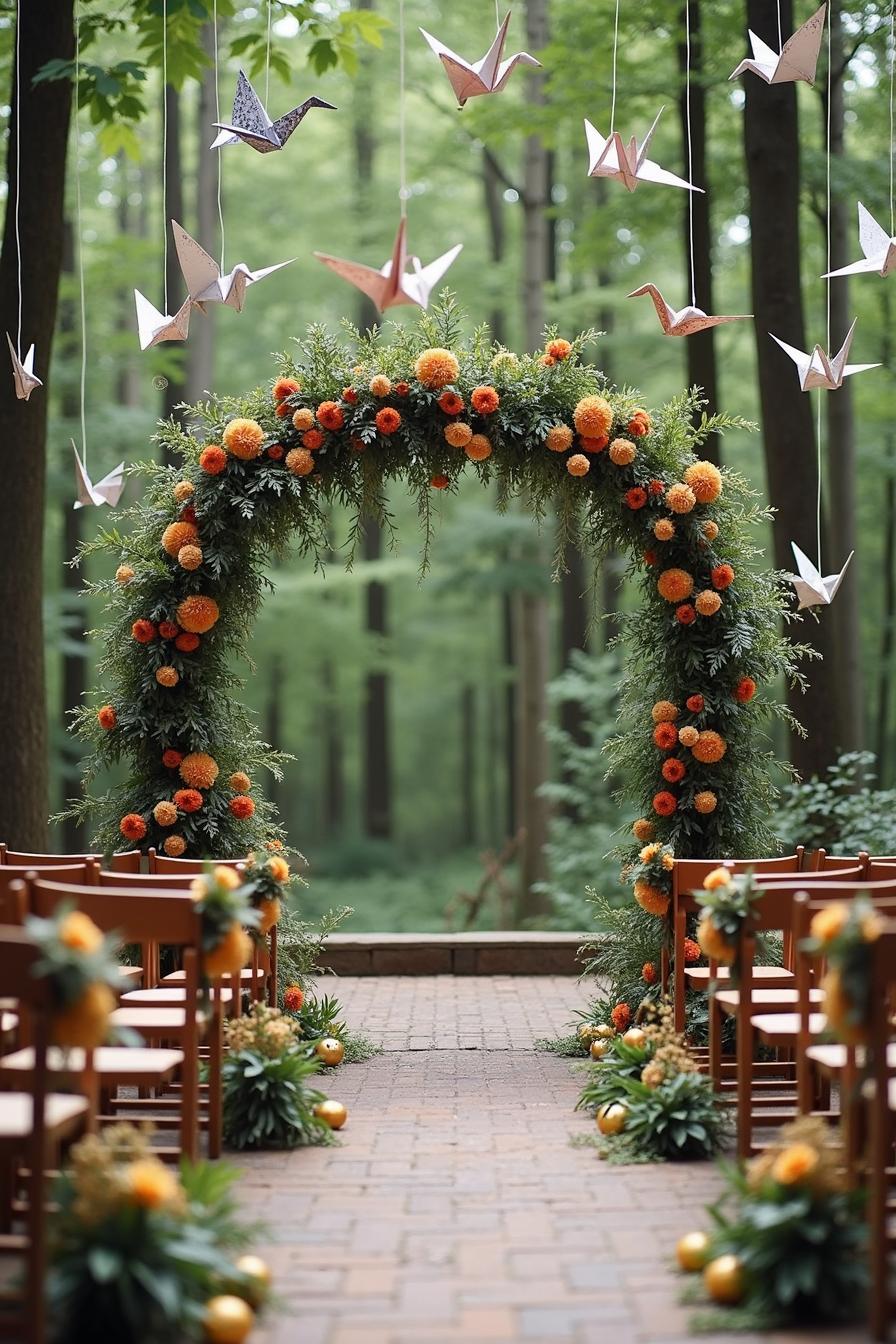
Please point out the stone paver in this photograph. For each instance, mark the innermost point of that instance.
(455, 1211)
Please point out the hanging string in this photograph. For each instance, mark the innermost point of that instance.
(615, 51)
(497, 16)
(267, 61)
(218, 118)
(19, 171)
(79, 231)
(687, 86)
(827, 289)
(402, 171)
(165, 152)
(892, 146)
(780, 38)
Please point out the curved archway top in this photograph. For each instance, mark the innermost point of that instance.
(345, 415)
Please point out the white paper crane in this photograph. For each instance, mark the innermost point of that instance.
(683, 321)
(106, 491)
(811, 589)
(821, 370)
(629, 163)
(489, 75)
(876, 243)
(203, 277)
(250, 122)
(798, 57)
(392, 285)
(23, 371)
(155, 327)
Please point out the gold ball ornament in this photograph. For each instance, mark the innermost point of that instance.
(332, 1113)
(605, 1032)
(612, 1117)
(257, 1271)
(599, 1049)
(227, 1320)
(330, 1050)
(723, 1279)
(691, 1251)
(635, 1037)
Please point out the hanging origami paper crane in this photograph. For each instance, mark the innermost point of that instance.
(820, 370)
(23, 371)
(202, 273)
(683, 321)
(798, 58)
(106, 491)
(486, 76)
(392, 286)
(876, 243)
(250, 122)
(628, 163)
(155, 327)
(811, 589)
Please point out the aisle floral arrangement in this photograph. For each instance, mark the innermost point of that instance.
(142, 1254)
(81, 966)
(843, 933)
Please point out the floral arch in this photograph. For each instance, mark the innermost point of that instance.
(348, 415)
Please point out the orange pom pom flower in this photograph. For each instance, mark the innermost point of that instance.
(243, 438)
(388, 420)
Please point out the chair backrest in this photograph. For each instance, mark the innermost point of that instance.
(137, 917)
(73, 872)
(160, 863)
(688, 874)
(830, 862)
(855, 873)
(145, 881)
(126, 861)
(838, 887)
(881, 870)
(21, 859)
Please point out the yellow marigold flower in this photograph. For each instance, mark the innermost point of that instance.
(578, 465)
(79, 932)
(299, 461)
(649, 852)
(167, 676)
(239, 781)
(243, 438)
(707, 602)
(664, 529)
(714, 944)
(680, 498)
(437, 368)
(380, 385)
(458, 434)
(151, 1185)
(177, 535)
(174, 846)
(643, 829)
(198, 770)
(872, 926)
(705, 802)
(559, 438)
(183, 491)
(794, 1164)
(124, 574)
(675, 585)
(622, 452)
(303, 418)
(717, 877)
(668, 862)
(189, 557)
(652, 899)
(705, 480)
(710, 530)
(709, 747)
(226, 877)
(593, 417)
(688, 736)
(664, 712)
(278, 868)
(165, 813)
(830, 922)
(479, 448)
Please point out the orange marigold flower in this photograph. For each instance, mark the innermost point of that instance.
(300, 462)
(278, 868)
(198, 614)
(329, 414)
(593, 445)
(187, 642)
(558, 348)
(650, 557)
(695, 703)
(401, 389)
(709, 747)
(240, 782)
(745, 690)
(177, 535)
(673, 770)
(124, 574)
(642, 829)
(458, 434)
(188, 800)
(283, 410)
(243, 438)
(143, 631)
(199, 770)
(174, 846)
(168, 630)
(665, 736)
(705, 802)
(165, 813)
(167, 676)
(664, 712)
(639, 425)
(680, 497)
(547, 361)
(664, 529)
(276, 451)
(484, 400)
(106, 717)
(621, 1016)
(312, 439)
(439, 482)
(578, 465)
(479, 448)
(213, 459)
(622, 452)
(183, 491)
(656, 488)
(189, 557)
(688, 735)
(691, 951)
(648, 973)
(132, 826)
(242, 807)
(293, 998)
(675, 585)
(593, 417)
(722, 576)
(636, 498)
(705, 480)
(451, 402)
(285, 387)
(388, 420)
(707, 602)
(664, 803)
(171, 759)
(795, 1164)
(437, 368)
(710, 530)
(559, 438)
(380, 385)
(303, 418)
(685, 614)
(350, 395)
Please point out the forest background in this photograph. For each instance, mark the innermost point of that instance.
(434, 720)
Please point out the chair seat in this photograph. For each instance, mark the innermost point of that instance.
(151, 1021)
(128, 974)
(786, 1026)
(161, 996)
(17, 1113)
(8, 1022)
(247, 976)
(699, 976)
(728, 999)
(136, 1066)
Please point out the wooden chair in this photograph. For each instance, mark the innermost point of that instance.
(882, 1131)
(827, 863)
(127, 861)
(161, 863)
(33, 1127)
(144, 918)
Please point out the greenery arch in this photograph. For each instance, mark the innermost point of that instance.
(349, 414)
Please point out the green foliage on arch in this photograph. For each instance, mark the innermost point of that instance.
(253, 508)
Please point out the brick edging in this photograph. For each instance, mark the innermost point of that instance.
(453, 954)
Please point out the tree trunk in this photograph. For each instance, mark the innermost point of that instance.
(888, 614)
(46, 34)
(273, 731)
(468, 810)
(573, 632)
(700, 349)
(377, 765)
(201, 345)
(128, 376)
(510, 708)
(175, 390)
(771, 142)
(847, 707)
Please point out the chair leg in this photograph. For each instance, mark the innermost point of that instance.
(744, 1084)
(215, 1044)
(189, 1102)
(715, 1043)
(679, 997)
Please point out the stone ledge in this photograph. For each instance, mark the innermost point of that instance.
(452, 953)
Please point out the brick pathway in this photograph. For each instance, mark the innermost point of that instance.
(455, 1211)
